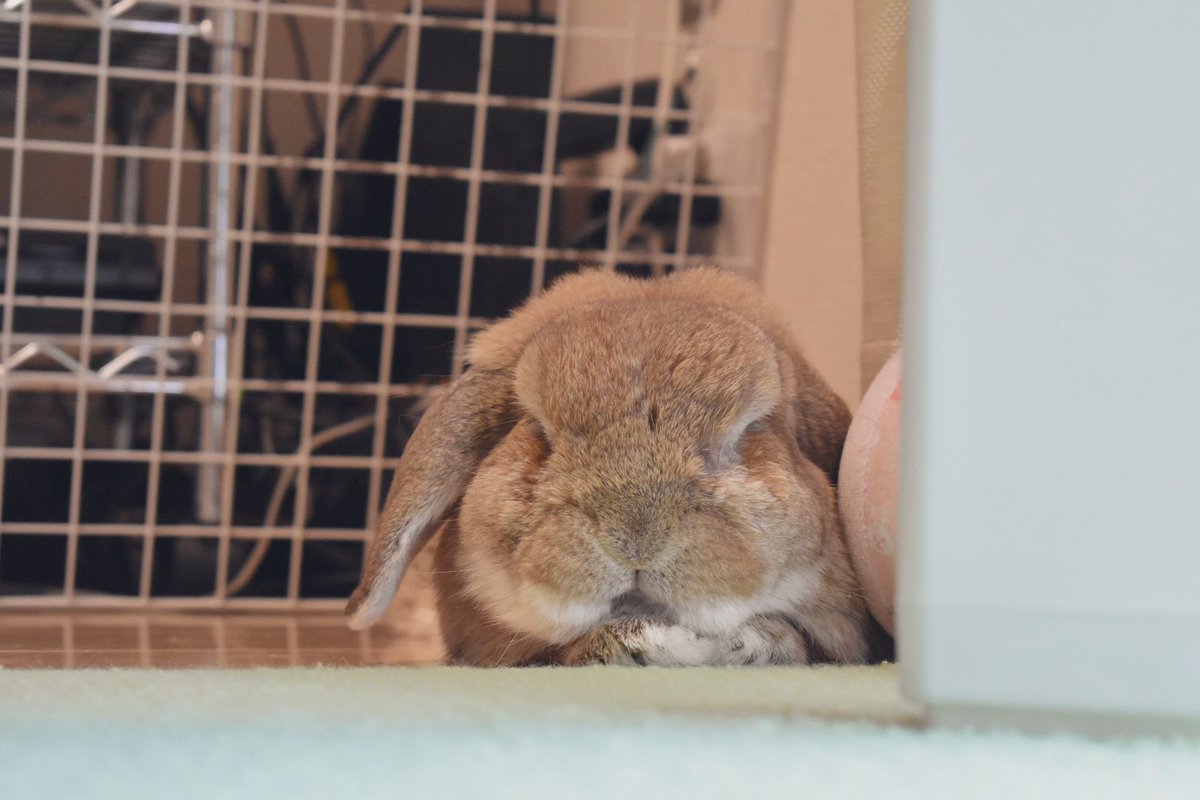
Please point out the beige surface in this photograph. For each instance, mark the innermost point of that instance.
(84, 640)
(812, 267)
(881, 94)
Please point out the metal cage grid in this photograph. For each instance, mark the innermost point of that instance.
(169, 428)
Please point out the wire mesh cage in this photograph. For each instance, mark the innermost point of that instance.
(244, 242)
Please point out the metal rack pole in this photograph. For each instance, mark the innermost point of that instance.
(216, 361)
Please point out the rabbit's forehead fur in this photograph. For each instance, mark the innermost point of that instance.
(502, 345)
(689, 371)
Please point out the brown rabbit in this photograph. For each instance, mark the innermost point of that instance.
(630, 472)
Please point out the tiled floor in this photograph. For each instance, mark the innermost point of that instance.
(159, 639)
(54, 640)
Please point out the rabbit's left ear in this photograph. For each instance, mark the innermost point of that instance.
(453, 437)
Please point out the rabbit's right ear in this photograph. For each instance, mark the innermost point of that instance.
(822, 420)
(453, 437)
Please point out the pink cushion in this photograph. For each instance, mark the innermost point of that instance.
(868, 490)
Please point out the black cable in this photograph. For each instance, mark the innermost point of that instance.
(369, 69)
(301, 54)
(368, 29)
(537, 61)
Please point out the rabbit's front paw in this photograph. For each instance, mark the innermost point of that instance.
(646, 641)
(640, 641)
(768, 639)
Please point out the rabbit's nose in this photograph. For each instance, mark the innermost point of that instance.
(639, 548)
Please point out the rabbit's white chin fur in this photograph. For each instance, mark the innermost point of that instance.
(725, 617)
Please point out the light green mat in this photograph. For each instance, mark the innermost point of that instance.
(595, 732)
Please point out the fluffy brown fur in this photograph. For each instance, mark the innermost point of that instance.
(630, 472)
